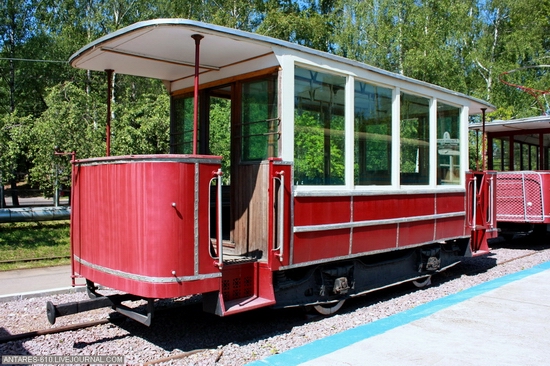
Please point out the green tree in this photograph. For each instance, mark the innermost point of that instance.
(73, 122)
(142, 126)
(513, 36)
(14, 142)
(220, 134)
(427, 40)
(310, 23)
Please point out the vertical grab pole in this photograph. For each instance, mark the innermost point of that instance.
(491, 182)
(281, 215)
(197, 38)
(474, 204)
(71, 201)
(219, 238)
(483, 151)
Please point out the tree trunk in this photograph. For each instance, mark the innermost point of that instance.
(14, 195)
(2, 198)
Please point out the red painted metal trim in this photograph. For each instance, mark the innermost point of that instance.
(148, 289)
(279, 256)
(340, 226)
(140, 219)
(139, 158)
(197, 38)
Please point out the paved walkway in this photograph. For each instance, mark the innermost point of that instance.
(22, 283)
(35, 201)
(502, 322)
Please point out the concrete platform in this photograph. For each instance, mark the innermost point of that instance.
(502, 322)
(24, 283)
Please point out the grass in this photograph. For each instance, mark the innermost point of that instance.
(23, 242)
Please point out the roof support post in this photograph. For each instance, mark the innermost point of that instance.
(197, 38)
(542, 162)
(483, 137)
(109, 97)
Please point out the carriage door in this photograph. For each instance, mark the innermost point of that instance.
(254, 139)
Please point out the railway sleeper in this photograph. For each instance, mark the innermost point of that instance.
(98, 301)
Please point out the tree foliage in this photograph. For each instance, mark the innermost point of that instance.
(14, 140)
(73, 122)
(468, 46)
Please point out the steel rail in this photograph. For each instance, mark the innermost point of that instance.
(66, 328)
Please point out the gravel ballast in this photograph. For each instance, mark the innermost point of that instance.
(182, 334)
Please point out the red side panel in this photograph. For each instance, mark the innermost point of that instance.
(453, 226)
(320, 245)
(450, 227)
(375, 238)
(321, 210)
(481, 212)
(134, 221)
(522, 197)
(414, 233)
(339, 226)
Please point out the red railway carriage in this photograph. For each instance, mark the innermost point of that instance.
(338, 178)
(518, 151)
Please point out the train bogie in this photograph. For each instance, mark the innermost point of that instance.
(335, 281)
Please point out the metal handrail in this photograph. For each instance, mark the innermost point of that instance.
(217, 175)
(491, 218)
(472, 201)
(219, 238)
(280, 214)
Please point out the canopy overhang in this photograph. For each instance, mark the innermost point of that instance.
(164, 49)
(515, 125)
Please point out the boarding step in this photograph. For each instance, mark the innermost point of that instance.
(481, 253)
(243, 287)
(214, 303)
(245, 304)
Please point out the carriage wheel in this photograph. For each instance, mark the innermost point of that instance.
(426, 281)
(328, 309)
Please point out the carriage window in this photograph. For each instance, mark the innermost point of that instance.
(415, 140)
(535, 163)
(517, 156)
(181, 137)
(260, 123)
(526, 153)
(498, 149)
(373, 106)
(448, 144)
(501, 154)
(319, 142)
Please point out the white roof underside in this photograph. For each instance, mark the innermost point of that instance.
(163, 49)
(515, 125)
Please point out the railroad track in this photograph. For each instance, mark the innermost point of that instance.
(23, 260)
(116, 318)
(66, 328)
(220, 350)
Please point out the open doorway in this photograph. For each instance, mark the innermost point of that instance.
(239, 122)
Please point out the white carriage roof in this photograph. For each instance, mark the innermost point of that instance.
(514, 125)
(163, 49)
